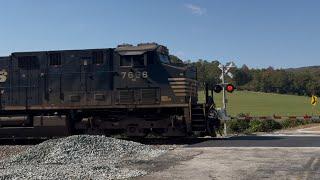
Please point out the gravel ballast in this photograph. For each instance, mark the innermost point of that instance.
(80, 157)
(7, 150)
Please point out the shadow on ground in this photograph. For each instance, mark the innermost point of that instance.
(236, 141)
(200, 140)
(21, 141)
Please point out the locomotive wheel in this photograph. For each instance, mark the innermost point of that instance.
(135, 131)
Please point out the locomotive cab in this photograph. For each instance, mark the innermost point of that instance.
(147, 76)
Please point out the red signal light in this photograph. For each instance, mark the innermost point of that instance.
(230, 88)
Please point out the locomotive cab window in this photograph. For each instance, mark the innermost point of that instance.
(125, 61)
(138, 61)
(133, 61)
(164, 58)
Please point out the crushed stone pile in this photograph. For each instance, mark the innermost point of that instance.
(6, 150)
(80, 157)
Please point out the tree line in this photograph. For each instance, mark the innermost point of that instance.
(304, 81)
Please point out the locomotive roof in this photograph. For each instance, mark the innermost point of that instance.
(124, 49)
(128, 49)
(69, 50)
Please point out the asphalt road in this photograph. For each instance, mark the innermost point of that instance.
(295, 155)
(261, 141)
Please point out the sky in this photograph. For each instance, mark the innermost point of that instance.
(258, 33)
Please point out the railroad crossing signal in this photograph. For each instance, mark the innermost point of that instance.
(225, 70)
(314, 100)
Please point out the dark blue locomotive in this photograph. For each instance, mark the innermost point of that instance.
(129, 89)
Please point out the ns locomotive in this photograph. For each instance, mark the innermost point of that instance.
(129, 89)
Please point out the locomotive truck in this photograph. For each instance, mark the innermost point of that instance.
(134, 90)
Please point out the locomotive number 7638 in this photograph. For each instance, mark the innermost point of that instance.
(135, 75)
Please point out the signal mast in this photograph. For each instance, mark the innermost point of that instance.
(225, 70)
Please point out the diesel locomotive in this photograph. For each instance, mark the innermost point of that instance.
(132, 90)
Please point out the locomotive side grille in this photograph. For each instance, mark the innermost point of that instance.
(184, 86)
(99, 97)
(126, 96)
(74, 98)
(148, 95)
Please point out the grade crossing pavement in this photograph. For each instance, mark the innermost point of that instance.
(304, 137)
(291, 154)
(263, 141)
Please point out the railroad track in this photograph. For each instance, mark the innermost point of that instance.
(172, 141)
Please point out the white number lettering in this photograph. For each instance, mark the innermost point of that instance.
(138, 74)
(145, 74)
(123, 74)
(3, 76)
(130, 75)
(134, 76)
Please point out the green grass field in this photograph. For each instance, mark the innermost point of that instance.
(265, 104)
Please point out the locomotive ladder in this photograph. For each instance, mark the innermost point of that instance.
(198, 120)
